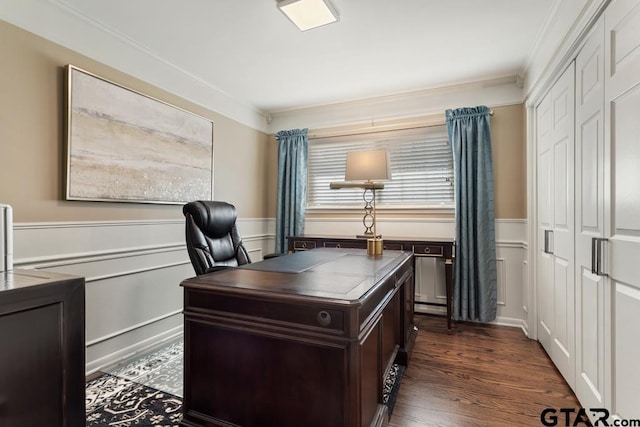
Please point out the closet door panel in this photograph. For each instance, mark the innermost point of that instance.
(563, 168)
(562, 238)
(555, 209)
(622, 20)
(622, 222)
(590, 288)
(590, 360)
(563, 317)
(545, 301)
(544, 127)
(625, 133)
(590, 172)
(627, 347)
(624, 253)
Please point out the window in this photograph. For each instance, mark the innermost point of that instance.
(421, 169)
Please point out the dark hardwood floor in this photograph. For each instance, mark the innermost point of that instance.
(477, 375)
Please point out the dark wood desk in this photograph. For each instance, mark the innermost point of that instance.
(421, 247)
(42, 354)
(304, 339)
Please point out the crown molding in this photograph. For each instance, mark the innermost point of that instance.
(546, 28)
(562, 39)
(495, 92)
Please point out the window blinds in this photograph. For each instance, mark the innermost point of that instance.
(421, 168)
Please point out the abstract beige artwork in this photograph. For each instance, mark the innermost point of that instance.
(125, 146)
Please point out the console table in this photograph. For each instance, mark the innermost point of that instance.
(421, 247)
(42, 356)
(304, 339)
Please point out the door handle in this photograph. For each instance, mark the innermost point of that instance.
(547, 233)
(597, 248)
(594, 257)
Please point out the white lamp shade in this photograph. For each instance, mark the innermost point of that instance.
(367, 166)
(308, 14)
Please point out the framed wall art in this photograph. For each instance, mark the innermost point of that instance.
(128, 147)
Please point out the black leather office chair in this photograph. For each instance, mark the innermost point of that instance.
(213, 240)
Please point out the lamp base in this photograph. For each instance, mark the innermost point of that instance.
(368, 236)
(374, 246)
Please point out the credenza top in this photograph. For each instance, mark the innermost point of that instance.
(444, 240)
(23, 278)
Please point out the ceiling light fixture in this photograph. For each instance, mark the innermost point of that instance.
(308, 14)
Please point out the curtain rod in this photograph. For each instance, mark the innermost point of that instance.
(346, 131)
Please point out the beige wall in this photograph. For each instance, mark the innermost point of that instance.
(32, 141)
(509, 161)
(272, 176)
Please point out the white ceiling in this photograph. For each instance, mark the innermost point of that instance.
(250, 52)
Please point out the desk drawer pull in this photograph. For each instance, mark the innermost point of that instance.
(324, 318)
(302, 245)
(428, 250)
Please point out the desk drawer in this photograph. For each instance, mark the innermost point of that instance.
(428, 250)
(356, 244)
(303, 245)
(262, 313)
(393, 246)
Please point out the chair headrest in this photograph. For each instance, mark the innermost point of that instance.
(215, 219)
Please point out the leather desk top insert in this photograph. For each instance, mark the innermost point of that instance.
(345, 275)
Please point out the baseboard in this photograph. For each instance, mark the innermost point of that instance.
(500, 321)
(511, 322)
(133, 350)
(430, 309)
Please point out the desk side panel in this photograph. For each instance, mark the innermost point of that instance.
(251, 378)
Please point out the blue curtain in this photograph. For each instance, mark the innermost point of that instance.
(475, 278)
(292, 185)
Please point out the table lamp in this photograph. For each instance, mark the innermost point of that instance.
(363, 169)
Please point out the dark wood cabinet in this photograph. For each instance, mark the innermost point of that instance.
(304, 339)
(421, 247)
(42, 353)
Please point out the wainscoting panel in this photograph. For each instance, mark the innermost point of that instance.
(133, 271)
(510, 257)
(525, 294)
(430, 274)
(511, 253)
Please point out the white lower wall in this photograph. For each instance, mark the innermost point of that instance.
(133, 271)
(511, 256)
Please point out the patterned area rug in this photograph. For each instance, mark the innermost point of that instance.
(113, 401)
(391, 386)
(161, 369)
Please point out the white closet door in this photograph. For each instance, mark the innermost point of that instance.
(556, 224)
(622, 201)
(545, 223)
(562, 237)
(591, 288)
